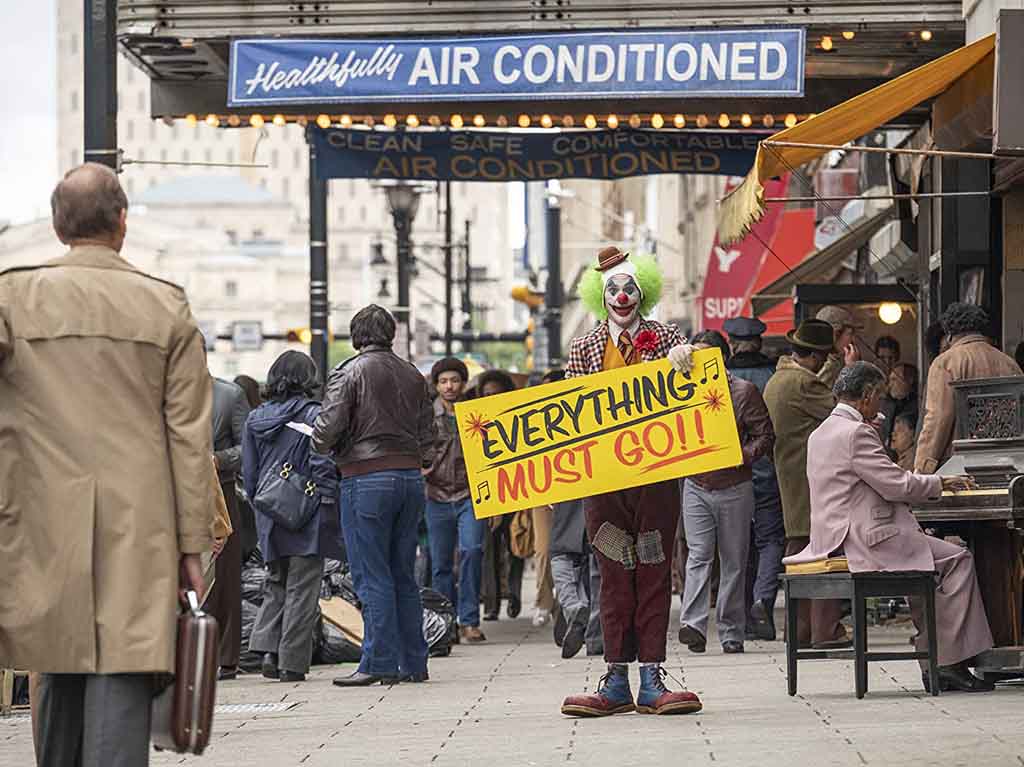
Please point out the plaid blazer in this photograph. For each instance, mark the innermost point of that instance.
(586, 353)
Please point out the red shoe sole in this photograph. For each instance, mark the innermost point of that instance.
(570, 710)
(683, 707)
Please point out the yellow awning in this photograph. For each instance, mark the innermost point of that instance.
(843, 123)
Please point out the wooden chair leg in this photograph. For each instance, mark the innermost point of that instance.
(860, 641)
(933, 640)
(792, 640)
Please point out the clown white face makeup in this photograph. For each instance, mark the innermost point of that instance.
(622, 298)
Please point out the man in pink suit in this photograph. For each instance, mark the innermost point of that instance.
(859, 507)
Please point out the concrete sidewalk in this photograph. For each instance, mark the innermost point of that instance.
(498, 704)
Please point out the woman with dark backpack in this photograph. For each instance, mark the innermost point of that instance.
(294, 493)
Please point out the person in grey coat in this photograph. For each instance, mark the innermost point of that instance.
(577, 581)
(277, 434)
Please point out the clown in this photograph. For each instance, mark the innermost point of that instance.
(631, 530)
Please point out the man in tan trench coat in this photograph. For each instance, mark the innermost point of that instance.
(106, 492)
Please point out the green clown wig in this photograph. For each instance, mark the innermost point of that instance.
(648, 277)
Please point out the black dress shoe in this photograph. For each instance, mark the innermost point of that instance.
(515, 606)
(763, 626)
(491, 615)
(360, 679)
(957, 678)
(560, 627)
(574, 638)
(269, 667)
(292, 676)
(693, 639)
(416, 677)
(227, 673)
(731, 647)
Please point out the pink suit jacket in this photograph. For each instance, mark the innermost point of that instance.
(859, 500)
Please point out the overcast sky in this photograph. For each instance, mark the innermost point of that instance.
(28, 107)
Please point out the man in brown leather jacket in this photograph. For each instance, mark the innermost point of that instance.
(378, 425)
(719, 505)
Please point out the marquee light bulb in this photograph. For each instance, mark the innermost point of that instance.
(302, 121)
(568, 121)
(524, 121)
(234, 121)
(434, 120)
(479, 121)
(679, 121)
(212, 120)
(191, 120)
(926, 35)
(790, 120)
(546, 121)
(746, 121)
(849, 34)
(613, 121)
(826, 43)
(634, 121)
(590, 121)
(345, 121)
(369, 122)
(390, 120)
(890, 312)
(412, 121)
(723, 120)
(279, 120)
(702, 121)
(324, 121)
(768, 121)
(256, 121)
(456, 121)
(657, 120)
(502, 121)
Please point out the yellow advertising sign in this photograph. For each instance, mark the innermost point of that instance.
(598, 433)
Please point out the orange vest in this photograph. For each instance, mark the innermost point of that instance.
(613, 357)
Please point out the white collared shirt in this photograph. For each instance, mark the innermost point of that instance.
(615, 330)
(851, 410)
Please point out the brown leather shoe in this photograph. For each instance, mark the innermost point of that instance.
(682, 702)
(844, 640)
(471, 635)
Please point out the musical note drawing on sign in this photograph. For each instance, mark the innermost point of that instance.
(710, 365)
(485, 487)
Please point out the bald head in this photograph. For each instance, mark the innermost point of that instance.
(89, 204)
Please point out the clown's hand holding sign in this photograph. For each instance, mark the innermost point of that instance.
(631, 530)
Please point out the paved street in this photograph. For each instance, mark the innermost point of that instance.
(498, 705)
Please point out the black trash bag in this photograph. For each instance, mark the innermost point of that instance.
(440, 627)
(332, 646)
(337, 582)
(254, 573)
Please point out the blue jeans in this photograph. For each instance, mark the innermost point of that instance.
(380, 513)
(448, 523)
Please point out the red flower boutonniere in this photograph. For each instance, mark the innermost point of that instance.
(646, 341)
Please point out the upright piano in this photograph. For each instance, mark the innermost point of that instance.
(988, 445)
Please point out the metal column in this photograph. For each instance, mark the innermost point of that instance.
(448, 276)
(553, 293)
(467, 292)
(403, 231)
(319, 308)
(100, 73)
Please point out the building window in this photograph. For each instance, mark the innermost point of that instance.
(274, 159)
(184, 156)
(74, 43)
(129, 73)
(174, 131)
(74, 101)
(74, 158)
(208, 155)
(129, 130)
(142, 154)
(341, 215)
(152, 130)
(163, 155)
(130, 184)
(230, 156)
(141, 101)
(231, 289)
(285, 188)
(342, 253)
(362, 214)
(297, 158)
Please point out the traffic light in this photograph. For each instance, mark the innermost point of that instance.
(300, 336)
(524, 294)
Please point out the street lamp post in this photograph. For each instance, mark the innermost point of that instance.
(404, 201)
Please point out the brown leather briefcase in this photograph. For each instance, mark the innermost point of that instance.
(183, 712)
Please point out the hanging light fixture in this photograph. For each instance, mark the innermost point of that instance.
(256, 121)
(926, 35)
(890, 312)
(412, 121)
(590, 121)
(456, 121)
(279, 120)
(679, 121)
(746, 120)
(613, 121)
(849, 34)
(657, 121)
(546, 121)
(524, 121)
(479, 121)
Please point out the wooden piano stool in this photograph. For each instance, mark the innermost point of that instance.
(858, 588)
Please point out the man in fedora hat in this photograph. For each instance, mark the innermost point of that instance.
(767, 532)
(631, 531)
(798, 402)
(844, 346)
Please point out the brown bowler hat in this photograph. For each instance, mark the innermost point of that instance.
(609, 257)
(813, 334)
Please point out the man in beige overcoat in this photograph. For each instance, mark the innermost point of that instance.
(798, 401)
(860, 507)
(968, 356)
(106, 491)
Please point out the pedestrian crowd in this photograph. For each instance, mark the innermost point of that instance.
(109, 502)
